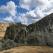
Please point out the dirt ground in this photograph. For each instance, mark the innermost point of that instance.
(29, 49)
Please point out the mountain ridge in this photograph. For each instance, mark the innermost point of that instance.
(39, 33)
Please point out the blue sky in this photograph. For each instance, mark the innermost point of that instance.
(3, 2)
(19, 9)
(24, 11)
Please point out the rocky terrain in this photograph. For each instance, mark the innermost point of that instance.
(36, 37)
(39, 33)
(43, 30)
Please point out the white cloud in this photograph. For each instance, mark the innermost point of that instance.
(40, 6)
(37, 9)
(10, 8)
(9, 19)
(25, 4)
(23, 19)
(28, 18)
(29, 4)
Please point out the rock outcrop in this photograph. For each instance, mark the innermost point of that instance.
(3, 27)
(39, 33)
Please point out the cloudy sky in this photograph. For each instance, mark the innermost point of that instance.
(24, 11)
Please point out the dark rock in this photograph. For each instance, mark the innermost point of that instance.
(39, 33)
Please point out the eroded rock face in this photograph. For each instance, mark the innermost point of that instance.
(43, 29)
(16, 32)
(39, 33)
(3, 27)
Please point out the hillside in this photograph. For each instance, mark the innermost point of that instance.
(43, 29)
(39, 33)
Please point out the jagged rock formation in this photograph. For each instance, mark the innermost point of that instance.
(39, 33)
(16, 32)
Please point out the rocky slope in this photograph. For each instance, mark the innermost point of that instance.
(39, 33)
(43, 30)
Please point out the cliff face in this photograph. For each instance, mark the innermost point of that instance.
(16, 32)
(39, 33)
(3, 27)
(43, 29)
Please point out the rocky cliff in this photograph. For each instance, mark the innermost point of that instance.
(3, 27)
(43, 30)
(39, 33)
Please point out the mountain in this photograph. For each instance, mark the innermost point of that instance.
(43, 29)
(39, 33)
